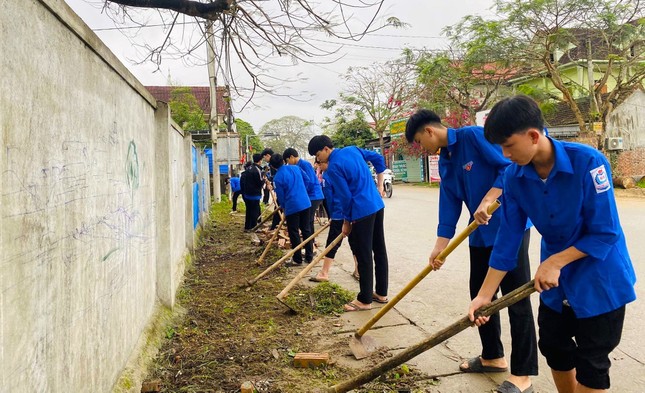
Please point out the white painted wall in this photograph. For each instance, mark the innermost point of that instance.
(93, 204)
(628, 121)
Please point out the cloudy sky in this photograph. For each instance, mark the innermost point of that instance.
(317, 82)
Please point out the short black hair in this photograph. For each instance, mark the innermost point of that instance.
(289, 152)
(512, 115)
(247, 164)
(266, 151)
(276, 160)
(257, 157)
(419, 120)
(318, 143)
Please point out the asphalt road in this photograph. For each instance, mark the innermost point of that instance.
(442, 297)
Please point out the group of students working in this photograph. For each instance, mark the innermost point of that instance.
(564, 190)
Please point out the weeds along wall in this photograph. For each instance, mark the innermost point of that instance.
(96, 207)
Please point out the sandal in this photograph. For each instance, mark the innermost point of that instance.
(509, 387)
(475, 366)
(380, 299)
(350, 306)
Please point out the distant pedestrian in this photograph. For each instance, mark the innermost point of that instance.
(236, 190)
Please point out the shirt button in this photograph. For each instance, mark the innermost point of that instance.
(550, 215)
(546, 192)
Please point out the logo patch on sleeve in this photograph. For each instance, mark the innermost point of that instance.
(600, 179)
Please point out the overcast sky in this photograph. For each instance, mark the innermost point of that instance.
(425, 18)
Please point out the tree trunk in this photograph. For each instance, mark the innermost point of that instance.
(624, 182)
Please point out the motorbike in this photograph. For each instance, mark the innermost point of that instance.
(388, 180)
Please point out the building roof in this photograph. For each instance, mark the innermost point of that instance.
(201, 93)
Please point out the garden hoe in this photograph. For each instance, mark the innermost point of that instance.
(275, 235)
(306, 270)
(361, 345)
(286, 256)
(505, 301)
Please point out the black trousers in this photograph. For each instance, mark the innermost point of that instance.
(236, 194)
(368, 244)
(523, 338)
(296, 223)
(265, 198)
(252, 213)
(315, 205)
(335, 229)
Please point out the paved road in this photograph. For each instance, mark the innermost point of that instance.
(442, 298)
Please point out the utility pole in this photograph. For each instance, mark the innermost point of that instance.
(214, 119)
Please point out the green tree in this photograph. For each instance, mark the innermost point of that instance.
(185, 110)
(287, 131)
(243, 129)
(356, 131)
(538, 36)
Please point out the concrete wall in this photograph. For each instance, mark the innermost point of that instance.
(95, 204)
(628, 122)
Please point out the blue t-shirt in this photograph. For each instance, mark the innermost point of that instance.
(352, 183)
(235, 184)
(574, 207)
(289, 182)
(313, 186)
(469, 167)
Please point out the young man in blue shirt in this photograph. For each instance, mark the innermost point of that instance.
(314, 191)
(362, 208)
(290, 183)
(586, 277)
(235, 189)
(471, 169)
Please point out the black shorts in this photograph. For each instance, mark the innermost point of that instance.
(595, 338)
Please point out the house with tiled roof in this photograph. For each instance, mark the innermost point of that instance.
(201, 93)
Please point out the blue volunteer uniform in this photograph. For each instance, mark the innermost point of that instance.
(352, 183)
(235, 184)
(333, 207)
(289, 182)
(313, 186)
(575, 207)
(469, 166)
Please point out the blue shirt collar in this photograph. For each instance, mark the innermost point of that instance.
(562, 162)
(452, 139)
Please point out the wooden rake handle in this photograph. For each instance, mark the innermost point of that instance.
(308, 268)
(275, 235)
(505, 301)
(287, 255)
(442, 255)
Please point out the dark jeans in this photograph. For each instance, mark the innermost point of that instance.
(523, 339)
(252, 213)
(368, 244)
(275, 220)
(296, 223)
(236, 194)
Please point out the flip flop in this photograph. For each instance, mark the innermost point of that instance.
(378, 299)
(509, 387)
(316, 279)
(349, 307)
(475, 366)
